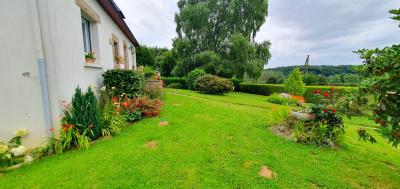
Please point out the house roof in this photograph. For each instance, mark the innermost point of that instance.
(118, 17)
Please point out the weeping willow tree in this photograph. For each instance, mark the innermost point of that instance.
(225, 27)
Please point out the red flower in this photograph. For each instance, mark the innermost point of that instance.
(325, 110)
(317, 92)
(326, 94)
(334, 110)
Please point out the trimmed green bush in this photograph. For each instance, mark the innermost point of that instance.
(236, 83)
(261, 89)
(268, 89)
(170, 80)
(212, 84)
(294, 84)
(192, 76)
(175, 86)
(125, 81)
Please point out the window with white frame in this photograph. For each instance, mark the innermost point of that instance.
(87, 41)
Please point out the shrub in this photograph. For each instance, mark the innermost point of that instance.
(148, 72)
(278, 99)
(236, 84)
(175, 86)
(212, 84)
(150, 107)
(326, 125)
(84, 115)
(124, 81)
(192, 76)
(294, 84)
(129, 108)
(14, 152)
(261, 89)
(170, 80)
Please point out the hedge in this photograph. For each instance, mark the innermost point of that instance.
(261, 89)
(171, 80)
(268, 89)
(124, 81)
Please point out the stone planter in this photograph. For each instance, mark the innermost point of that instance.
(301, 115)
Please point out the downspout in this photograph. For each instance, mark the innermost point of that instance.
(42, 68)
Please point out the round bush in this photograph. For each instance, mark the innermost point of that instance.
(192, 76)
(212, 84)
(124, 81)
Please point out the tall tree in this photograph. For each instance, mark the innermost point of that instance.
(212, 25)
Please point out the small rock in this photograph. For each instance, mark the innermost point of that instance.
(267, 173)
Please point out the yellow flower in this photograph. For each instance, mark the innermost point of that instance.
(3, 148)
(21, 132)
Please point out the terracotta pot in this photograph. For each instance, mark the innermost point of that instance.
(149, 114)
(301, 116)
(90, 60)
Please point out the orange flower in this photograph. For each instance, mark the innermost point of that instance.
(53, 130)
(126, 104)
(67, 127)
(298, 98)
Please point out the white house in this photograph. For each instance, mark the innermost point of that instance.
(42, 56)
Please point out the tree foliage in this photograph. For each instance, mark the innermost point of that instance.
(220, 26)
(294, 84)
(382, 80)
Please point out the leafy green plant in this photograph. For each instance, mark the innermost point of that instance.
(192, 76)
(13, 152)
(130, 108)
(278, 99)
(124, 81)
(84, 114)
(112, 120)
(294, 84)
(212, 84)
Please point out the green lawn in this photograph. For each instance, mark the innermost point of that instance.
(214, 142)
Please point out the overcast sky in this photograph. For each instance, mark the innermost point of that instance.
(328, 30)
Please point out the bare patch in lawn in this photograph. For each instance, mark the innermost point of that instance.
(163, 123)
(267, 173)
(151, 144)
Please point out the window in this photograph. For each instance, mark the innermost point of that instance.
(126, 57)
(87, 41)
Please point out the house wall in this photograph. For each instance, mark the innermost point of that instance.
(60, 35)
(20, 97)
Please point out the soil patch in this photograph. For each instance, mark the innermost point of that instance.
(267, 173)
(151, 144)
(163, 123)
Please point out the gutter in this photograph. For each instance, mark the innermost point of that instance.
(37, 23)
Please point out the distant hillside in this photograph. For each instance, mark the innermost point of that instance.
(319, 70)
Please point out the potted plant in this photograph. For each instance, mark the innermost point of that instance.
(90, 57)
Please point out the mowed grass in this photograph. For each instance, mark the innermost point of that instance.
(213, 144)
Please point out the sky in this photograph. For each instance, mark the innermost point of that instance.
(328, 30)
